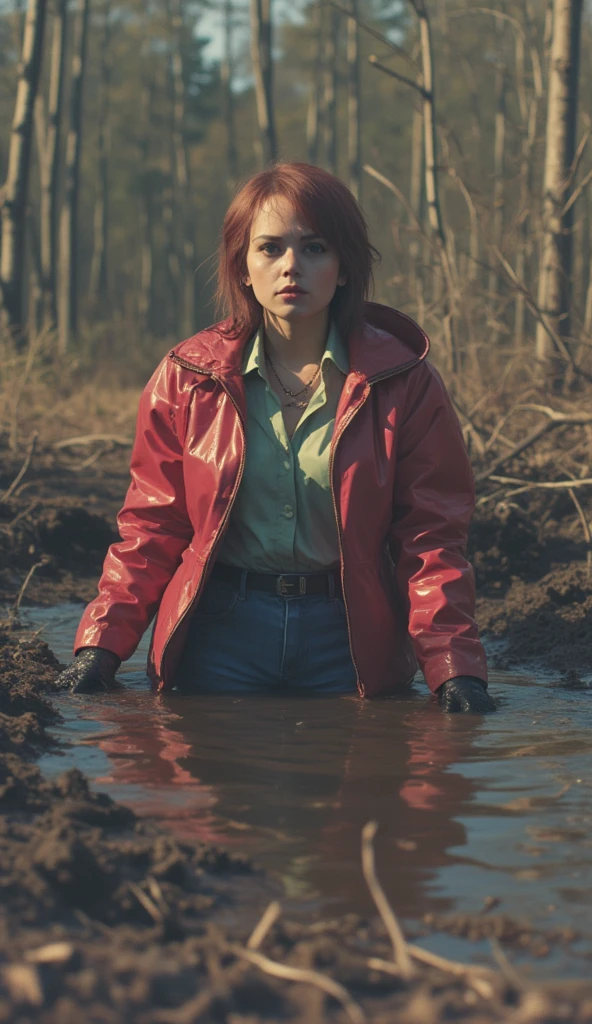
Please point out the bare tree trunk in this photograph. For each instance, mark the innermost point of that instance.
(434, 209)
(228, 99)
(354, 149)
(99, 277)
(313, 117)
(14, 205)
(261, 55)
(48, 145)
(184, 230)
(145, 219)
(68, 256)
(330, 89)
(556, 257)
(416, 179)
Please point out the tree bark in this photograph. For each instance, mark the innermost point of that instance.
(228, 98)
(99, 277)
(14, 206)
(184, 229)
(145, 290)
(354, 148)
(330, 89)
(432, 192)
(554, 296)
(48, 145)
(262, 58)
(313, 117)
(68, 255)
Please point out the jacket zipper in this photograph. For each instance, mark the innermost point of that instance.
(208, 373)
(370, 380)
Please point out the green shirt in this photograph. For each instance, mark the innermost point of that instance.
(283, 518)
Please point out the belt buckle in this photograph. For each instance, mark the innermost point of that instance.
(285, 589)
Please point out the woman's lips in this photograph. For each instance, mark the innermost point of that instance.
(291, 293)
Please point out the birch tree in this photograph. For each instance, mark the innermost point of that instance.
(14, 204)
(554, 292)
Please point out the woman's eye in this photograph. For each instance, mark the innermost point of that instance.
(316, 247)
(268, 248)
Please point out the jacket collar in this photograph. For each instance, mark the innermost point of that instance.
(389, 342)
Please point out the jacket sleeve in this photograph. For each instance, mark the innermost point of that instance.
(153, 525)
(432, 508)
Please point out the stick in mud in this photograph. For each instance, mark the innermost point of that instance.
(400, 951)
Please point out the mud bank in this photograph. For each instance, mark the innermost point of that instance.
(534, 589)
(108, 919)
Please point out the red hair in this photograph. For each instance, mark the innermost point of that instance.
(329, 208)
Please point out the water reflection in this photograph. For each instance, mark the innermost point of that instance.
(467, 807)
(293, 780)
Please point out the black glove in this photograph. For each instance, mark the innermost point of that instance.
(92, 671)
(465, 693)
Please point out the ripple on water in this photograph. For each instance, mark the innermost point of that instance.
(468, 808)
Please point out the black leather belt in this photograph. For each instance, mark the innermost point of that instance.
(284, 585)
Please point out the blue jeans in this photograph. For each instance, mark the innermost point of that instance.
(248, 641)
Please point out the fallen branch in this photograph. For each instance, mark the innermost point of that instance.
(32, 443)
(15, 608)
(546, 484)
(7, 527)
(531, 438)
(84, 439)
(266, 923)
(332, 988)
(400, 951)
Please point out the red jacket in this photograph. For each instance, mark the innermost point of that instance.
(402, 490)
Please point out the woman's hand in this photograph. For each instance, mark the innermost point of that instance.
(465, 693)
(92, 671)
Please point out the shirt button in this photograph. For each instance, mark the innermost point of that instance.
(287, 464)
(288, 511)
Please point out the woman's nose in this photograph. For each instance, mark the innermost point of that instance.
(290, 264)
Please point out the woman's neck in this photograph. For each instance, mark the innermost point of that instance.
(297, 344)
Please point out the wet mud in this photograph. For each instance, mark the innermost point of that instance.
(107, 918)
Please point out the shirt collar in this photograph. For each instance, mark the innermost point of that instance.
(335, 350)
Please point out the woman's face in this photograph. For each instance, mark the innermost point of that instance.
(293, 271)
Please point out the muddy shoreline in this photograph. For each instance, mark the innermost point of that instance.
(107, 918)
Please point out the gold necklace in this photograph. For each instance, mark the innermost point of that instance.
(294, 395)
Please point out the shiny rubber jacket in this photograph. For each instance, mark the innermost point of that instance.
(403, 496)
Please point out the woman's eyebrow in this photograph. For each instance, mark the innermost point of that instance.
(279, 238)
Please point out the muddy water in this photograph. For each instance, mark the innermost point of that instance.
(468, 808)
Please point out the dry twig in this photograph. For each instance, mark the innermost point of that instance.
(400, 951)
(332, 988)
(32, 443)
(266, 923)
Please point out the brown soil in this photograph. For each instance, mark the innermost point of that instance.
(107, 919)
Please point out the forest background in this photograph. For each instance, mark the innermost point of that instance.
(463, 129)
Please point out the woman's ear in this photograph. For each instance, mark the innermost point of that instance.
(342, 279)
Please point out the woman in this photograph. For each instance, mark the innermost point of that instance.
(300, 492)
